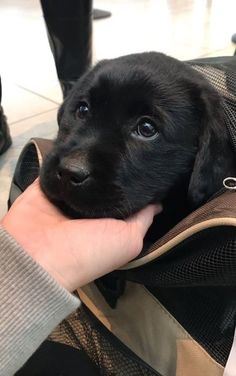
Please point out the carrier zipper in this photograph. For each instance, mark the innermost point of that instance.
(230, 183)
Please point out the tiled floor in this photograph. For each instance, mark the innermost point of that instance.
(182, 28)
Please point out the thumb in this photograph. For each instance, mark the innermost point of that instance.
(139, 224)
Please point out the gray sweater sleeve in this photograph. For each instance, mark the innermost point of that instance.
(32, 303)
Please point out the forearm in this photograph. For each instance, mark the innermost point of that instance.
(32, 304)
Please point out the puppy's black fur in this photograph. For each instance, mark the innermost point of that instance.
(135, 130)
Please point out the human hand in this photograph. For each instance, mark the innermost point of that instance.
(74, 251)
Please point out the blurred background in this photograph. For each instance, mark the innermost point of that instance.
(184, 29)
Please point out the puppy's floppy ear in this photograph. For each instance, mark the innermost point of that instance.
(212, 160)
(60, 114)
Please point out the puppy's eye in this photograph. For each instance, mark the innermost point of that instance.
(146, 129)
(82, 110)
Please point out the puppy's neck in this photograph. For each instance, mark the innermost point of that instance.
(175, 207)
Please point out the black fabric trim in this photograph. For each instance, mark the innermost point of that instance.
(57, 359)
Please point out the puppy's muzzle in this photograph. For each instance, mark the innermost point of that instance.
(73, 172)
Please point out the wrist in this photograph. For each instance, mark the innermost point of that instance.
(35, 249)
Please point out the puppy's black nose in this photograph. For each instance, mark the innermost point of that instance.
(71, 172)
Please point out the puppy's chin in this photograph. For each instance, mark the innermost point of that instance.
(89, 213)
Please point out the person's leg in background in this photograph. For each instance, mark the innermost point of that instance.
(5, 138)
(69, 26)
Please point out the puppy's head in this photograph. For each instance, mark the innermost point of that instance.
(128, 134)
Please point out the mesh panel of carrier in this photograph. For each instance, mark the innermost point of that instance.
(111, 356)
(206, 259)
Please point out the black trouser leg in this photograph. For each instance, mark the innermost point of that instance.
(5, 138)
(69, 26)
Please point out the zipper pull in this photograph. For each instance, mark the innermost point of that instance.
(230, 183)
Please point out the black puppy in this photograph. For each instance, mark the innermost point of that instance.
(135, 130)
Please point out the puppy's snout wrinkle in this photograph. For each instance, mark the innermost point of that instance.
(73, 172)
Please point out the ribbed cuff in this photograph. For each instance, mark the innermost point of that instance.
(32, 304)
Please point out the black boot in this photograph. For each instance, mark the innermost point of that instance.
(5, 138)
(69, 26)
